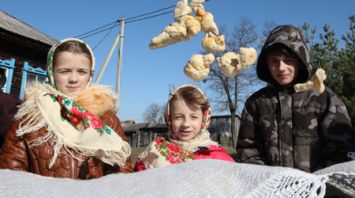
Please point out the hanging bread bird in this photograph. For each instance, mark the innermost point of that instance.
(180, 30)
(207, 21)
(171, 34)
(316, 81)
(213, 43)
(229, 64)
(182, 9)
(195, 4)
(193, 26)
(186, 25)
(247, 56)
(198, 66)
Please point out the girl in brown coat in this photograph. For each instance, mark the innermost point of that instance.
(69, 128)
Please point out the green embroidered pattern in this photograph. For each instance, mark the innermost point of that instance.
(76, 114)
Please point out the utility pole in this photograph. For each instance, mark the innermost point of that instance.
(118, 39)
(107, 59)
(119, 63)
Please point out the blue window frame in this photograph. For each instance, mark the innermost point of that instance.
(30, 75)
(8, 66)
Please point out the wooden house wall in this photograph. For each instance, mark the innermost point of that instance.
(22, 50)
(141, 136)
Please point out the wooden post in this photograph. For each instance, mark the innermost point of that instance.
(108, 57)
(119, 63)
(138, 138)
(150, 136)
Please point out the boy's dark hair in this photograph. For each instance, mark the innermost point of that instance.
(282, 49)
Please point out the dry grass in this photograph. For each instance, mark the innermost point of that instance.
(135, 153)
(231, 151)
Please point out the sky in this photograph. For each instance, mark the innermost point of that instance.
(148, 75)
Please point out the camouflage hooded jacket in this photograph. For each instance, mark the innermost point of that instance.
(304, 130)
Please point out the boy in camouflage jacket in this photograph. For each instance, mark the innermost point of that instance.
(306, 130)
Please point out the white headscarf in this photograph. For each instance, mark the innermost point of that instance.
(50, 56)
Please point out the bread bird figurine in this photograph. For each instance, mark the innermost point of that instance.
(213, 43)
(171, 34)
(247, 56)
(182, 9)
(316, 81)
(193, 26)
(229, 64)
(195, 4)
(207, 21)
(198, 67)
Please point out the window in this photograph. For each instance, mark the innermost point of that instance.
(6, 70)
(30, 75)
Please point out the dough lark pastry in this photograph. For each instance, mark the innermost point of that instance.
(207, 21)
(247, 56)
(316, 81)
(229, 64)
(182, 8)
(193, 26)
(198, 66)
(171, 34)
(213, 43)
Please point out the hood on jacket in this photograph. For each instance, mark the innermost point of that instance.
(290, 37)
(51, 52)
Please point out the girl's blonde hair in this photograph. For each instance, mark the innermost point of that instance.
(192, 96)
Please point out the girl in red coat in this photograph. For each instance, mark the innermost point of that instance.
(188, 115)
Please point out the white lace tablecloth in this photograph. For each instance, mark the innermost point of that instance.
(200, 178)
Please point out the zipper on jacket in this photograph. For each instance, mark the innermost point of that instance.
(279, 139)
(280, 124)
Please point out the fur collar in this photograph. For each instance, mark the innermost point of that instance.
(97, 99)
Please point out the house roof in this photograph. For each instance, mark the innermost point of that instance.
(16, 26)
(134, 127)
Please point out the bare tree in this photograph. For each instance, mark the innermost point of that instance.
(227, 90)
(268, 27)
(154, 114)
